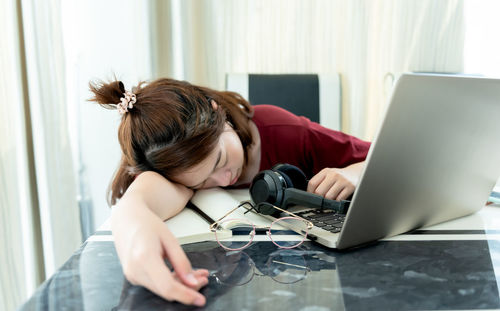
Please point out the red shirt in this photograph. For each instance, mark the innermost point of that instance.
(287, 138)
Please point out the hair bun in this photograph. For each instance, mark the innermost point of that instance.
(121, 86)
(107, 94)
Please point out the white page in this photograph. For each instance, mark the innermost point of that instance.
(216, 202)
(189, 227)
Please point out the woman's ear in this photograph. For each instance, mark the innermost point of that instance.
(214, 104)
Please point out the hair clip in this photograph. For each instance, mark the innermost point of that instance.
(126, 102)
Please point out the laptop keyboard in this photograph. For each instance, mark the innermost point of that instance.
(325, 219)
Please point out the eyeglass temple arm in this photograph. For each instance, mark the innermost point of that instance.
(213, 227)
(309, 224)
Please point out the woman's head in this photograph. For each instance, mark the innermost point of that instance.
(174, 127)
(222, 167)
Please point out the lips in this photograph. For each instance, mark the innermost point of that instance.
(235, 178)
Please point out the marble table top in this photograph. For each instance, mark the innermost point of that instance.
(452, 266)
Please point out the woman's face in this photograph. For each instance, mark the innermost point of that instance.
(221, 168)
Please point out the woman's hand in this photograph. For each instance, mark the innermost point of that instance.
(143, 242)
(334, 183)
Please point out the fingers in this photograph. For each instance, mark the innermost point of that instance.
(199, 274)
(201, 278)
(164, 284)
(175, 254)
(316, 181)
(345, 193)
(331, 184)
(326, 183)
(149, 270)
(334, 190)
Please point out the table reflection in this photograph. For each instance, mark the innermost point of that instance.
(397, 275)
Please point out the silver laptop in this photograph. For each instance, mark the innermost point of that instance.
(436, 157)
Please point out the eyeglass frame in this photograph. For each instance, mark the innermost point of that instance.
(213, 226)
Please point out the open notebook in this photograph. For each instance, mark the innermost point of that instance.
(189, 226)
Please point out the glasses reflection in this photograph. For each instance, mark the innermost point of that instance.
(284, 266)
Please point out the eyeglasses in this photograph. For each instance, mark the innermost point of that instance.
(244, 230)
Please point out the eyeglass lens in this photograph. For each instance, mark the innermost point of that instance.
(243, 234)
(283, 236)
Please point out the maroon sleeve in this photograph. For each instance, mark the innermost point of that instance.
(287, 138)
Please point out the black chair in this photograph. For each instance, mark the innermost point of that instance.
(314, 96)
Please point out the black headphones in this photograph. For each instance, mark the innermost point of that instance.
(284, 185)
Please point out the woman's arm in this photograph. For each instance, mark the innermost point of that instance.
(143, 241)
(336, 183)
(164, 198)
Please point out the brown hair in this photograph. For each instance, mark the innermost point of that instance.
(171, 127)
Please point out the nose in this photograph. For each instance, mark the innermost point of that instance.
(222, 177)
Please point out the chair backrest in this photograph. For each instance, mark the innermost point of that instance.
(315, 96)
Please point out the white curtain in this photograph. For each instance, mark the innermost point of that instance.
(368, 42)
(39, 220)
(17, 229)
(55, 178)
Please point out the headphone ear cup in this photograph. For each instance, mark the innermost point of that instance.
(267, 187)
(293, 175)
